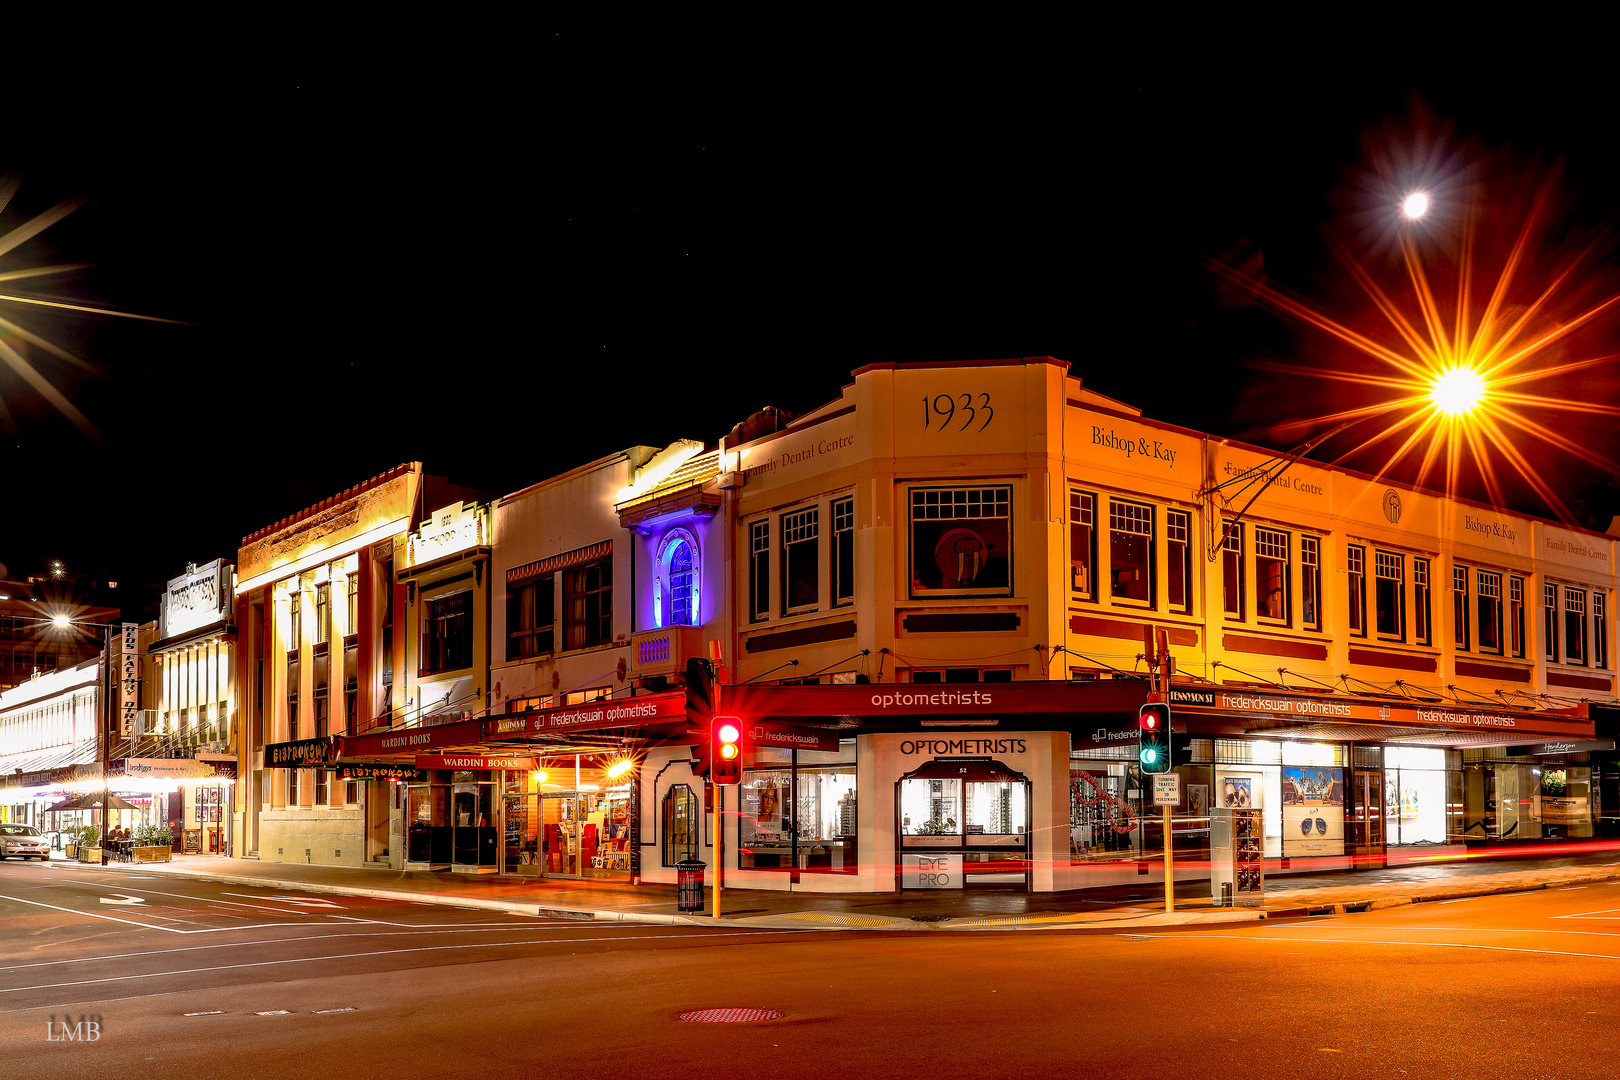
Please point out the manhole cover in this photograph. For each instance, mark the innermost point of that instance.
(729, 1016)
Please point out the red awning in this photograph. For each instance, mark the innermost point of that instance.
(518, 575)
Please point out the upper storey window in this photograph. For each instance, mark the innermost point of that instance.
(961, 540)
(677, 582)
(1130, 551)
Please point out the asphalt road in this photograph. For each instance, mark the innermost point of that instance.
(201, 979)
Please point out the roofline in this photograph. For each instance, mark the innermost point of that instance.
(331, 501)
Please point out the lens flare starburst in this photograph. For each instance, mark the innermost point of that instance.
(1456, 365)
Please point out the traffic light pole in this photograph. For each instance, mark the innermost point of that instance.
(719, 791)
(1159, 665)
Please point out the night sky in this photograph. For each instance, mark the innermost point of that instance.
(505, 269)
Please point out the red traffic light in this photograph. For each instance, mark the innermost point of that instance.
(725, 745)
(1149, 721)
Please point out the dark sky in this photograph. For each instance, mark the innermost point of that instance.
(507, 265)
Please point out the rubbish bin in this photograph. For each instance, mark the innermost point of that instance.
(689, 884)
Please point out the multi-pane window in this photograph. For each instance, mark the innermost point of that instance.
(351, 706)
(1271, 551)
(351, 625)
(1600, 630)
(1130, 551)
(323, 714)
(1459, 605)
(1083, 544)
(1574, 626)
(1389, 594)
(1178, 549)
(1232, 570)
(292, 715)
(323, 613)
(292, 787)
(323, 786)
(961, 540)
(1310, 582)
(759, 571)
(1515, 622)
(1422, 626)
(531, 619)
(1355, 567)
(588, 605)
(801, 560)
(295, 634)
(843, 551)
(447, 632)
(1488, 602)
(1549, 620)
(683, 600)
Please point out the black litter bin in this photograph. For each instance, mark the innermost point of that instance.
(689, 884)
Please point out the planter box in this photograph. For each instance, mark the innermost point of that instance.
(89, 854)
(160, 853)
(71, 851)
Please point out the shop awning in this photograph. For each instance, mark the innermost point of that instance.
(520, 575)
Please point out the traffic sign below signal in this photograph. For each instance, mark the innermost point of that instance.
(1153, 738)
(725, 750)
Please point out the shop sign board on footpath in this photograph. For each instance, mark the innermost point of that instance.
(1167, 789)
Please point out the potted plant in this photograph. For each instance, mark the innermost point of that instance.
(153, 843)
(89, 849)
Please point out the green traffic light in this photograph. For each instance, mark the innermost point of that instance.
(1149, 755)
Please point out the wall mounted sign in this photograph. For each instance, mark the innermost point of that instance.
(797, 738)
(302, 754)
(1393, 714)
(196, 598)
(625, 712)
(127, 672)
(453, 528)
(475, 761)
(408, 773)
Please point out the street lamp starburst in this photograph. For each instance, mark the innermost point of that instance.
(1456, 367)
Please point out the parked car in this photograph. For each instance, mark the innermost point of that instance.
(23, 841)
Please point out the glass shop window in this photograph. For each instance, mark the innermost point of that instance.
(680, 829)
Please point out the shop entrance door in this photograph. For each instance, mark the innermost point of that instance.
(560, 843)
(1365, 813)
(963, 823)
(473, 827)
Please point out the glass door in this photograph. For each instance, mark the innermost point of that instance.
(560, 852)
(1367, 812)
(521, 822)
(473, 822)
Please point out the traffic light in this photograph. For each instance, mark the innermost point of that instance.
(725, 750)
(1153, 737)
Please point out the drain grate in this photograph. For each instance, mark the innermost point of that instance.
(930, 918)
(729, 1016)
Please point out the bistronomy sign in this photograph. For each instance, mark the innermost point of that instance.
(1313, 708)
(301, 754)
(475, 761)
(817, 449)
(1584, 554)
(196, 598)
(453, 528)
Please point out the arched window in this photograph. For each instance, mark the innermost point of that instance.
(678, 582)
(680, 824)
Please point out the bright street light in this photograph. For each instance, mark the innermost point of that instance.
(61, 622)
(1415, 205)
(1457, 391)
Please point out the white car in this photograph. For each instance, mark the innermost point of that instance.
(23, 841)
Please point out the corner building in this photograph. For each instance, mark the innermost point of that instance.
(936, 614)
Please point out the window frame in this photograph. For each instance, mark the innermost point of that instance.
(1515, 616)
(841, 575)
(1178, 565)
(998, 494)
(666, 819)
(1461, 609)
(1285, 577)
(323, 613)
(1575, 618)
(1549, 621)
(525, 634)
(596, 630)
(1600, 629)
(800, 522)
(1488, 601)
(1083, 535)
(1310, 582)
(1133, 513)
(1233, 581)
(1384, 558)
(1422, 600)
(1355, 573)
(759, 570)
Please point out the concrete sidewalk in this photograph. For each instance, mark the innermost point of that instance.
(609, 902)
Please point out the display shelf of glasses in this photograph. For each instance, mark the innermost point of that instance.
(1237, 856)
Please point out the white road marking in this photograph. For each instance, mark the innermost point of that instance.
(287, 900)
(120, 898)
(1588, 914)
(212, 1012)
(1426, 944)
(323, 1012)
(1572, 888)
(358, 956)
(1464, 900)
(131, 922)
